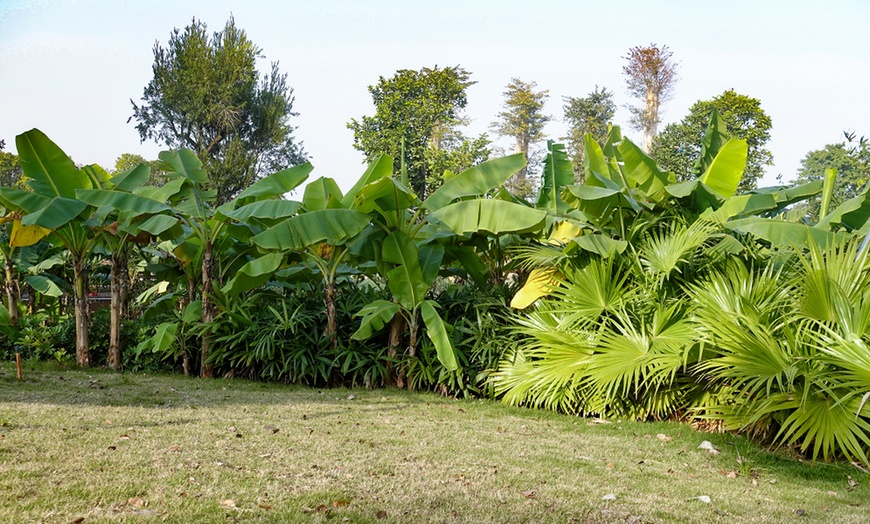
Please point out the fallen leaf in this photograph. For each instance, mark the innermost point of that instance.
(172, 449)
(145, 512)
(351, 397)
(709, 447)
(340, 504)
(77, 521)
(663, 437)
(704, 498)
(136, 502)
(124, 437)
(610, 465)
(732, 475)
(800, 512)
(754, 482)
(832, 493)
(265, 506)
(530, 494)
(271, 429)
(230, 503)
(322, 509)
(382, 514)
(112, 448)
(609, 496)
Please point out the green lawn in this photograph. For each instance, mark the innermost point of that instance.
(93, 446)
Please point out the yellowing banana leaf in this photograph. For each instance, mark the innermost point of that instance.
(476, 181)
(23, 236)
(563, 232)
(493, 217)
(436, 330)
(50, 171)
(541, 282)
(334, 226)
(254, 273)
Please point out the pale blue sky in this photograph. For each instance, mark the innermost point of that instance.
(71, 67)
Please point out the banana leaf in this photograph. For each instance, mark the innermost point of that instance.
(50, 171)
(405, 280)
(436, 330)
(131, 179)
(724, 174)
(275, 185)
(476, 181)
(333, 226)
(381, 167)
(322, 193)
(254, 273)
(557, 173)
(375, 317)
(487, 216)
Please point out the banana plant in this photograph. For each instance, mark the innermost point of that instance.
(53, 209)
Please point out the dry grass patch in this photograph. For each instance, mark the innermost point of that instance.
(92, 446)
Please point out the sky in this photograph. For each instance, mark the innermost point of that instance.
(71, 68)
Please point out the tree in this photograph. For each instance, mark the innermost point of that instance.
(677, 148)
(591, 115)
(206, 95)
(10, 170)
(851, 178)
(651, 75)
(415, 112)
(523, 119)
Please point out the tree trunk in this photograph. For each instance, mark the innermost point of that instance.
(205, 368)
(124, 282)
(651, 119)
(331, 332)
(82, 313)
(9, 286)
(119, 269)
(397, 328)
(191, 296)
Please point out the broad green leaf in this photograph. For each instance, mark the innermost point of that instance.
(436, 330)
(322, 193)
(192, 312)
(476, 181)
(132, 178)
(593, 160)
(23, 236)
(5, 319)
(642, 171)
(557, 173)
(405, 280)
(276, 184)
(472, 264)
(50, 171)
(727, 168)
(852, 214)
(375, 317)
(598, 202)
(185, 163)
(541, 282)
(746, 205)
(714, 138)
(600, 244)
(385, 195)
(121, 201)
(254, 273)
(828, 191)
(786, 234)
(381, 167)
(265, 210)
(99, 177)
(172, 191)
(431, 256)
(164, 337)
(493, 217)
(333, 226)
(59, 212)
(155, 225)
(44, 285)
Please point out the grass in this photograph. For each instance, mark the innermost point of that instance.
(93, 446)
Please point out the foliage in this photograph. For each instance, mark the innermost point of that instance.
(650, 75)
(206, 95)
(522, 119)
(11, 174)
(416, 111)
(591, 115)
(678, 147)
(851, 175)
(128, 161)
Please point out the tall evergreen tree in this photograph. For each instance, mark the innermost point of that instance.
(590, 114)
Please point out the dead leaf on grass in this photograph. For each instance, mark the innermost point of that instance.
(709, 447)
(228, 503)
(381, 514)
(530, 494)
(664, 438)
(271, 429)
(173, 449)
(340, 504)
(124, 437)
(136, 502)
(800, 512)
(265, 506)
(704, 498)
(77, 521)
(609, 496)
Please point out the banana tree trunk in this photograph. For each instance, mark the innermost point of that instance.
(82, 314)
(119, 270)
(9, 286)
(331, 332)
(397, 329)
(124, 290)
(205, 367)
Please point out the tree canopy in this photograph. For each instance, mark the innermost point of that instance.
(590, 114)
(650, 75)
(851, 175)
(207, 95)
(522, 119)
(677, 147)
(417, 114)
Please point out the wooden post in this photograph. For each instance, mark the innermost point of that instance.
(18, 365)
